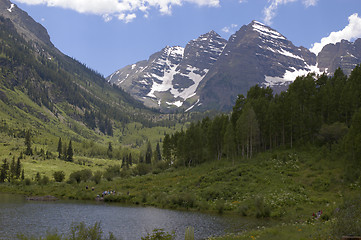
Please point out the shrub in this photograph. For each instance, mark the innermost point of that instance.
(112, 172)
(44, 180)
(348, 219)
(27, 181)
(59, 176)
(82, 175)
(262, 210)
(220, 205)
(97, 177)
(142, 169)
(159, 234)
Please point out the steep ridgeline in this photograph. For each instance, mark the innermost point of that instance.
(171, 77)
(42, 87)
(256, 54)
(210, 72)
(24, 24)
(343, 54)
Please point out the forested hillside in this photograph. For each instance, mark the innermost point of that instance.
(316, 110)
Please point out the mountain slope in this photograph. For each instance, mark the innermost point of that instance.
(170, 78)
(343, 54)
(256, 54)
(40, 86)
(210, 72)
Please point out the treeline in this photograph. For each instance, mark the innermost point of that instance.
(316, 110)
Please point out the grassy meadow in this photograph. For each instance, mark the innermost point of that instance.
(287, 186)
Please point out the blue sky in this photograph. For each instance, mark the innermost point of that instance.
(109, 34)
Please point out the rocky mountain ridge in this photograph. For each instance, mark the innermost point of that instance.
(210, 71)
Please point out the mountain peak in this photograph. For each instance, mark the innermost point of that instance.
(265, 31)
(24, 24)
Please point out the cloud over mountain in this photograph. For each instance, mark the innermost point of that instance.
(350, 32)
(122, 9)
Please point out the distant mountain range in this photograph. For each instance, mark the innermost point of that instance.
(210, 71)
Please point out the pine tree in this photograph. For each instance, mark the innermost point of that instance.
(148, 154)
(60, 148)
(130, 160)
(28, 150)
(110, 150)
(22, 175)
(4, 171)
(157, 155)
(12, 172)
(18, 169)
(70, 153)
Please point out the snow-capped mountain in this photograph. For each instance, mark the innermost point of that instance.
(255, 54)
(170, 78)
(210, 72)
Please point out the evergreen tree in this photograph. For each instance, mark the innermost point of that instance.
(110, 150)
(123, 162)
(69, 153)
(167, 151)
(4, 171)
(22, 174)
(65, 152)
(157, 155)
(229, 142)
(12, 171)
(148, 154)
(18, 169)
(60, 148)
(130, 160)
(28, 150)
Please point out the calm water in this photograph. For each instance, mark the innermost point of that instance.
(35, 218)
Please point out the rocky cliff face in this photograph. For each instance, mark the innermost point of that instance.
(210, 72)
(170, 78)
(343, 54)
(25, 25)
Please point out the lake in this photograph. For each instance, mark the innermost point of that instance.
(17, 215)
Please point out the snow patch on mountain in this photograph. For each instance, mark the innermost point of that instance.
(11, 8)
(290, 75)
(266, 31)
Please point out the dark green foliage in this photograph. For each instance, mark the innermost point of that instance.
(112, 172)
(4, 171)
(18, 170)
(314, 110)
(262, 210)
(348, 219)
(59, 176)
(157, 154)
(82, 175)
(142, 169)
(110, 150)
(60, 148)
(97, 177)
(28, 150)
(159, 234)
(69, 153)
(37, 177)
(44, 180)
(148, 154)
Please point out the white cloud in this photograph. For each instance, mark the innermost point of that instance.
(121, 9)
(271, 11)
(231, 28)
(350, 32)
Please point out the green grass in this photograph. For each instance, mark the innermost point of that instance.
(283, 185)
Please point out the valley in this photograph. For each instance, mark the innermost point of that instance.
(205, 128)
